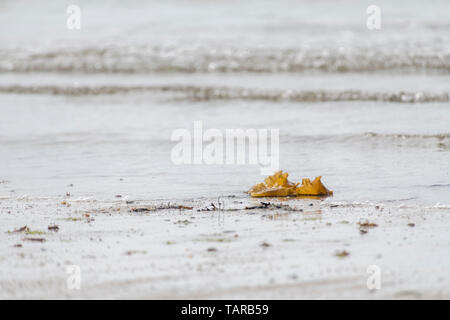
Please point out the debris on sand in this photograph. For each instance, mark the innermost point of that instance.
(23, 229)
(18, 245)
(161, 207)
(53, 227)
(211, 249)
(268, 205)
(278, 185)
(131, 252)
(265, 245)
(141, 209)
(364, 226)
(367, 224)
(34, 232)
(211, 207)
(342, 254)
(216, 240)
(65, 203)
(72, 219)
(34, 239)
(411, 225)
(185, 222)
(276, 216)
(264, 205)
(27, 230)
(176, 206)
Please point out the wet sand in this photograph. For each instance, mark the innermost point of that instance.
(228, 248)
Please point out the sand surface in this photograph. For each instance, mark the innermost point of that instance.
(235, 248)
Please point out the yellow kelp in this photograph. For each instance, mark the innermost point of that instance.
(279, 186)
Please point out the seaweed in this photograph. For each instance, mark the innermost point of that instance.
(35, 239)
(27, 231)
(278, 185)
(342, 254)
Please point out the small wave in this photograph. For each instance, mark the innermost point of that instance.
(440, 136)
(205, 59)
(205, 93)
(439, 140)
(439, 186)
(370, 135)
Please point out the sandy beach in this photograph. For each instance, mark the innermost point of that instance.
(93, 204)
(228, 248)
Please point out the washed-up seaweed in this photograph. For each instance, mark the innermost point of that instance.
(278, 185)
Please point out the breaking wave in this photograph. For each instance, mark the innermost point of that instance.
(209, 93)
(185, 59)
(440, 141)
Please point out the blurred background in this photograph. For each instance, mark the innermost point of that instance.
(95, 108)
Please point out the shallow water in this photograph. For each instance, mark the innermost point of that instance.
(367, 110)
